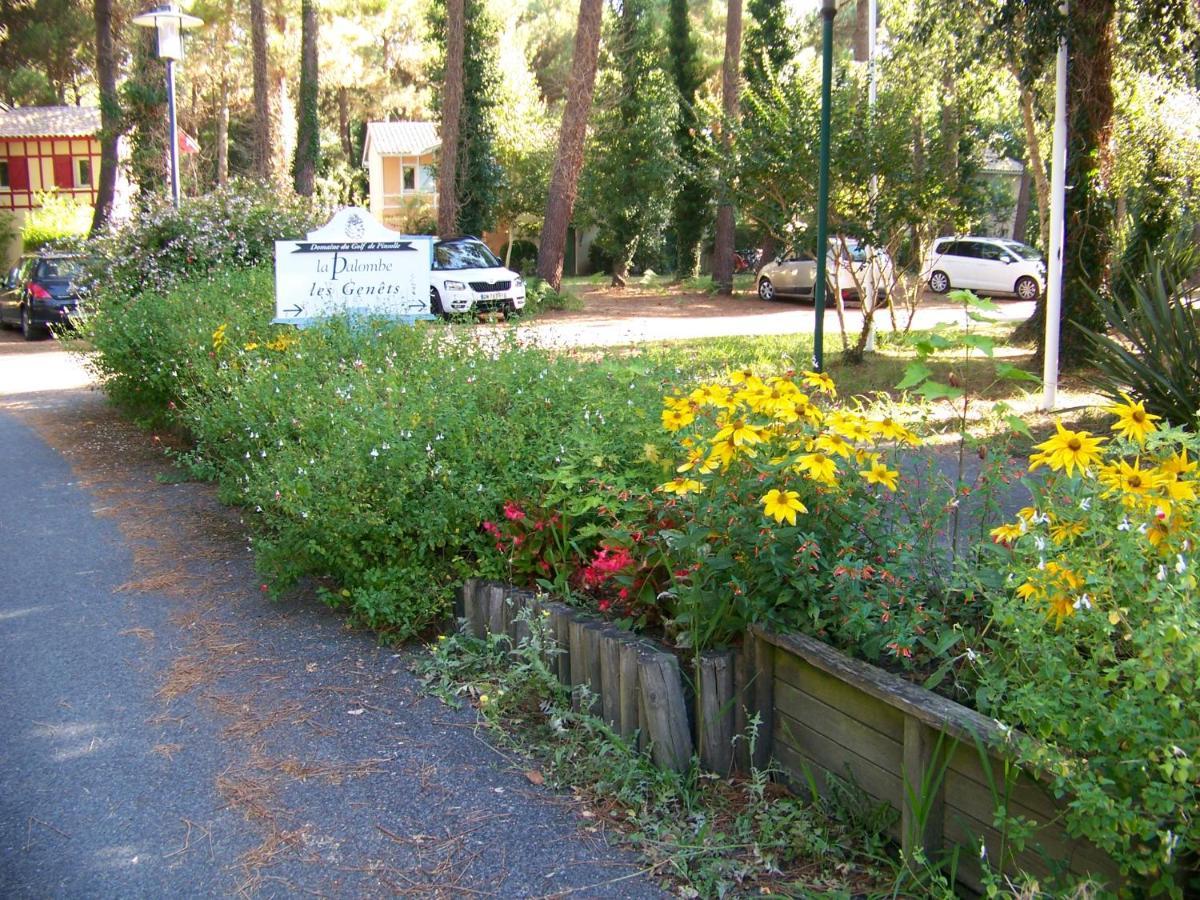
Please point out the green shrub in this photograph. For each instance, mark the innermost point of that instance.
(1153, 352)
(54, 220)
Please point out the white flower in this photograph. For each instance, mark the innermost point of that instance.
(1084, 602)
(1180, 564)
(374, 452)
(1085, 504)
(1162, 573)
(1125, 524)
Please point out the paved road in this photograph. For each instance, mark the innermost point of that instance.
(166, 731)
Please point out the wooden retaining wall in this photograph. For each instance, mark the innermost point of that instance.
(939, 764)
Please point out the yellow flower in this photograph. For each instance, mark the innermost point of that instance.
(250, 346)
(818, 467)
(650, 453)
(835, 444)
(1027, 513)
(853, 428)
(891, 430)
(1066, 450)
(483, 699)
(711, 395)
(737, 431)
(723, 452)
(1029, 591)
(695, 460)
(1006, 534)
(782, 505)
(1178, 464)
(681, 486)
(218, 337)
(1061, 532)
(281, 342)
(1133, 421)
(1061, 606)
(1065, 577)
(820, 381)
(881, 474)
(674, 419)
(745, 377)
(1131, 481)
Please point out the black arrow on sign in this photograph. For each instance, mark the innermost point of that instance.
(294, 310)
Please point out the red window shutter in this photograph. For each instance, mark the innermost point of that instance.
(63, 176)
(18, 173)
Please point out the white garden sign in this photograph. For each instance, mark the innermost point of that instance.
(352, 266)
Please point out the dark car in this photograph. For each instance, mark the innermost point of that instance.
(41, 291)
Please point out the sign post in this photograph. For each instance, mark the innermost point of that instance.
(353, 266)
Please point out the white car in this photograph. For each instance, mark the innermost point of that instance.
(984, 264)
(468, 278)
(846, 271)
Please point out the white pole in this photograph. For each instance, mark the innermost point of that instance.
(1058, 183)
(868, 302)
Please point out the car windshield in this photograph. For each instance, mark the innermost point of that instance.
(464, 255)
(1022, 250)
(59, 269)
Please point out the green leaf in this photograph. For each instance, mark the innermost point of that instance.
(983, 344)
(914, 374)
(935, 390)
(1017, 424)
(1014, 373)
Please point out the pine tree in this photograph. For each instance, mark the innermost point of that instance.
(308, 132)
(691, 213)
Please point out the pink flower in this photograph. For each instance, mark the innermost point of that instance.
(491, 528)
(512, 512)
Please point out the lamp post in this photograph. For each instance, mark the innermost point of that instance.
(828, 9)
(169, 23)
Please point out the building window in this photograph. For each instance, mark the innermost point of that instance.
(4, 184)
(410, 178)
(83, 173)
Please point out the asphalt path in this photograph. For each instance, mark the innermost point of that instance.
(167, 731)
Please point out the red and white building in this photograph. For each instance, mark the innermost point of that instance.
(46, 148)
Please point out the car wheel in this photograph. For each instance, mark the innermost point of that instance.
(766, 290)
(1027, 288)
(435, 303)
(939, 282)
(28, 329)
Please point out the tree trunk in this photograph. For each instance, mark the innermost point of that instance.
(343, 102)
(862, 19)
(564, 183)
(452, 104)
(262, 101)
(308, 127)
(1037, 167)
(1021, 212)
(730, 89)
(110, 115)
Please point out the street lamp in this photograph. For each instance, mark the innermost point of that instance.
(169, 21)
(828, 10)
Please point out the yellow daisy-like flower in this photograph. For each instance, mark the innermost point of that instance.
(739, 432)
(1065, 577)
(1067, 450)
(724, 452)
(1131, 481)
(1178, 464)
(1029, 591)
(881, 474)
(696, 460)
(1158, 532)
(745, 377)
(218, 337)
(681, 486)
(1007, 533)
(710, 395)
(1061, 606)
(820, 381)
(889, 429)
(781, 505)
(818, 467)
(835, 444)
(250, 346)
(1133, 421)
(282, 342)
(852, 428)
(1061, 532)
(1027, 514)
(674, 419)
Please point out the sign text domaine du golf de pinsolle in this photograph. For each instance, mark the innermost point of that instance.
(352, 266)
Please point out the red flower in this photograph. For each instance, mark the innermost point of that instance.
(512, 512)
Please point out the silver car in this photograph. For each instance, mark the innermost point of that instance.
(846, 272)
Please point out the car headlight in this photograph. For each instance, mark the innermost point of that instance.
(455, 286)
(518, 280)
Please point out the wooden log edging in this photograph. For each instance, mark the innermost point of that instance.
(635, 686)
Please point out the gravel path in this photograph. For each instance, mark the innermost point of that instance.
(167, 731)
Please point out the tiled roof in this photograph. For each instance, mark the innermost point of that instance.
(57, 121)
(408, 138)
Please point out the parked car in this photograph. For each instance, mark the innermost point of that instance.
(845, 267)
(984, 264)
(468, 278)
(40, 291)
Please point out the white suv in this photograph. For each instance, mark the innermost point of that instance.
(984, 264)
(468, 278)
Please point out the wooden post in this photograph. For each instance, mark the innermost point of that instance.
(460, 594)
(593, 636)
(743, 705)
(495, 594)
(518, 629)
(611, 640)
(665, 711)
(578, 659)
(715, 702)
(921, 816)
(473, 608)
(629, 689)
(763, 690)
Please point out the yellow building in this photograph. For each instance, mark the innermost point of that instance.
(399, 157)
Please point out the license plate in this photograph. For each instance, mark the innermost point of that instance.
(492, 295)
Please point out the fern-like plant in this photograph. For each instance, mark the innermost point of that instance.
(1152, 350)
